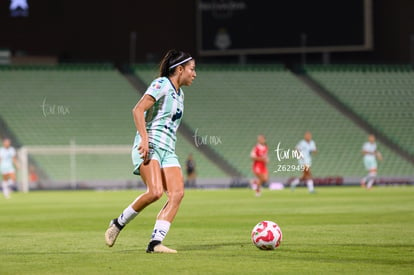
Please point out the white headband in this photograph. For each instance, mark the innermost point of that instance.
(181, 62)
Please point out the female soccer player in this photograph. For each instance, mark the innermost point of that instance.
(157, 116)
(307, 148)
(260, 160)
(370, 153)
(8, 162)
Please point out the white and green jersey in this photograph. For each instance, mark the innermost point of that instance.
(164, 117)
(306, 148)
(6, 160)
(370, 159)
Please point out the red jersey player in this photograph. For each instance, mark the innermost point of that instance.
(260, 160)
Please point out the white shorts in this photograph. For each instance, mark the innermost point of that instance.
(6, 169)
(164, 158)
(370, 163)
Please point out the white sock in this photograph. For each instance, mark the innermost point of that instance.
(127, 215)
(370, 183)
(6, 191)
(371, 179)
(295, 182)
(161, 229)
(309, 183)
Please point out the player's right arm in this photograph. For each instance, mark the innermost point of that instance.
(253, 154)
(138, 113)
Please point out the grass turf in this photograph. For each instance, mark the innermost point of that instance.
(342, 230)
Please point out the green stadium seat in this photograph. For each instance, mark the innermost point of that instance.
(238, 103)
(382, 94)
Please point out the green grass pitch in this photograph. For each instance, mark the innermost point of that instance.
(339, 230)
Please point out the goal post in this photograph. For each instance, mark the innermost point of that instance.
(108, 162)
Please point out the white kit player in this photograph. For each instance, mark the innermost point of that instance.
(8, 162)
(157, 116)
(307, 148)
(371, 154)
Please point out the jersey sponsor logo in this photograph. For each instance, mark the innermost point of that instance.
(177, 115)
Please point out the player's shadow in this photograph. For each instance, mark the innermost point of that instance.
(211, 246)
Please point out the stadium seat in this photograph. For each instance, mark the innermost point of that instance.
(381, 94)
(237, 103)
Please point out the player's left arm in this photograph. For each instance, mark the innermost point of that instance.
(378, 155)
(314, 150)
(253, 155)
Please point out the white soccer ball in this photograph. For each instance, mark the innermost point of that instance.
(266, 235)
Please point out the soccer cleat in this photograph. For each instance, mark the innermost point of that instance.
(363, 183)
(112, 232)
(157, 247)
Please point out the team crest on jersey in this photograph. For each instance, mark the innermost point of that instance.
(156, 86)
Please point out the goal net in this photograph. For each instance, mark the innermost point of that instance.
(76, 167)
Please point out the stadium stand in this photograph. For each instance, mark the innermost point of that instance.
(226, 108)
(380, 94)
(235, 103)
(90, 105)
(54, 105)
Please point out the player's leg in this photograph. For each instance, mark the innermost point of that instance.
(5, 186)
(151, 175)
(368, 164)
(12, 180)
(372, 175)
(307, 175)
(363, 182)
(174, 187)
(262, 179)
(294, 183)
(367, 167)
(254, 182)
(371, 166)
(193, 179)
(310, 185)
(259, 182)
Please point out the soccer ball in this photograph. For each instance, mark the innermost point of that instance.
(266, 235)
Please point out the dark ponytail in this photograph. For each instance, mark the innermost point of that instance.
(172, 60)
